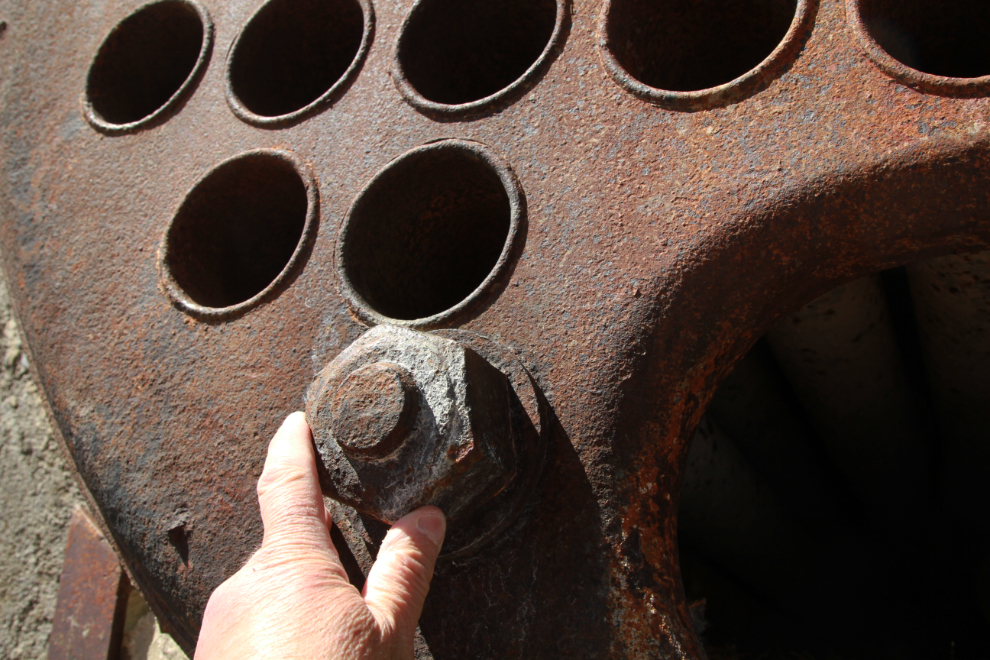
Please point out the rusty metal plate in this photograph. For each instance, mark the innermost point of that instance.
(687, 173)
(92, 596)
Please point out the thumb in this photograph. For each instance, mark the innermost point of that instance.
(289, 489)
(400, 578)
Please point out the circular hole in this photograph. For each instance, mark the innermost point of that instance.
(238, 231)
(943, 39)
(145, 62)
(454, 52)
(293, 53)
(429, 231)
(691, 45)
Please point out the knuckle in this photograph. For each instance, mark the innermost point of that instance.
(278, 477)
(410, 569)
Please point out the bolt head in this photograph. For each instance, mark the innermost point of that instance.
(403, 418)
(372, 410)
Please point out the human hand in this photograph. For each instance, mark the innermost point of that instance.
(292, 599)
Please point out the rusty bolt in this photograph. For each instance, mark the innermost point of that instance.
(372, 410)
(404, 418)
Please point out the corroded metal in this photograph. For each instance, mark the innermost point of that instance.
(658, 234)
(92, 597)
(372, 410)
(455, 451)
(172, 38)
(402, 419)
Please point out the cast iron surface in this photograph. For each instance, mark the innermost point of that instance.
(659, 245)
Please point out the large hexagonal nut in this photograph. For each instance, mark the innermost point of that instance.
(403, 418)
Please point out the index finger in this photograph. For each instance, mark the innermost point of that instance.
(289, 492)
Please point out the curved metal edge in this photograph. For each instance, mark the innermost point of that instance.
(748, 84)
(138, 575)
(510, 252)
(184, 303)
(325, 100)
(779, 219)
(919, 80)
(488, 104)
(185, 90)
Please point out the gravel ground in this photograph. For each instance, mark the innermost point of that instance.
(37, 496)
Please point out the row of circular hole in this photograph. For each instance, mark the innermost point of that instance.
(460, 56)
(428, 238)
(296, 56)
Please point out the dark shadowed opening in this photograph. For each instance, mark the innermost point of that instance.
(144, 61)
(784, 553)
(689, 45)
(178, 537)
(293, 52)
(426, 233)
(941, 38)
(460, 51)
(237, 230)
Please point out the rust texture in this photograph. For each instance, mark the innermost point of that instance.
(634, 243)
(457, 450)
(457, 423)
(372, 410)
(92, 597)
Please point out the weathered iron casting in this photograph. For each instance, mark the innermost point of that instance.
(586, 212)
(403, 418)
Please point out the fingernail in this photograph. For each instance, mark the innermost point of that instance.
(296, 417)
(433, 525)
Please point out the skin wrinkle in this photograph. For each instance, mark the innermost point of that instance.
(292, 598)
(410, 573)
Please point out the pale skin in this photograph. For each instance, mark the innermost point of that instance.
(292, 599)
